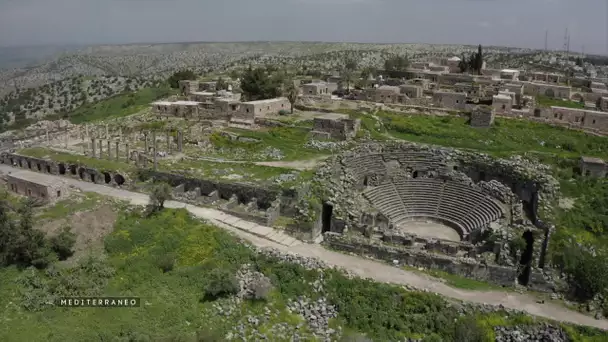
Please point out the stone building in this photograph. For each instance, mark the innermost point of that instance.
(385, 94)
(335, 126)
(188, 87)
(319, 88)
(451, 100)
(472, 89)
(411, 91)
(482, 116)
(603, 104)
(502, 104)
(546, 89)
(262, 108)
(579, 117)
(183, 109)
(593, 167)
(36, 186)
(509, 74)
(453, 64)
(546, 77)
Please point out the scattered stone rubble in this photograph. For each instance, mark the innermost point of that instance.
(541, 333)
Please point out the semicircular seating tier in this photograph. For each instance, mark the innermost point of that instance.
(454, 204)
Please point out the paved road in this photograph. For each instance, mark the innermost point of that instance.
(361, 266)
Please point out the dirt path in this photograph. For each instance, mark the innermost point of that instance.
(301, 165)
(361, 266)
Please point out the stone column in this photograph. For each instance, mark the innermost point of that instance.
(109, 149)
(107, 132)
(100, 149)
(116, 156)
(48, 140)
(146, 143)
(154, 147)
(86, 130)
(127, 152)
(180, 141)
(93, 144)
(67, 137)
(168, 141)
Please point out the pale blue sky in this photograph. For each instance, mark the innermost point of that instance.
(489, 22)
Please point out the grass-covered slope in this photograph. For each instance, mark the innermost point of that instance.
(171, 261)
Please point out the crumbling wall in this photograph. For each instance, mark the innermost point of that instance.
(244, 192)
(466, 267)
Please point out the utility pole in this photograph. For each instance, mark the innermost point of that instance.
(546, 38)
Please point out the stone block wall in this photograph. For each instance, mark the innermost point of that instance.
(465, 267)
(482, 116)
(245, 193)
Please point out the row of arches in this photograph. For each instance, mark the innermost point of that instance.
(63, 169)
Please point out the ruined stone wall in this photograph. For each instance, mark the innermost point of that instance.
(482, 117)
(245, 193)
(466, 267)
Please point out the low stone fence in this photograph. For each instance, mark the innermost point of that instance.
(465, 267)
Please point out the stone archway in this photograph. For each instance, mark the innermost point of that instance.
(61, 167)
(81, 173)
(550, 93)
(73, 169)
(107, 178)
(119, 179)
(577, 97)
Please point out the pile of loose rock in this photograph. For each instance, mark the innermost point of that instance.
(317, 314)
(325, 145)
(540, 333)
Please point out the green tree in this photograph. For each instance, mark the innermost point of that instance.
(479, 60)
(396, 63)
(63, 243)
(258, 84)
(291, 92)
(161, 193)
(586, 269)
(31, 248)
(180, 76)
(221, 84)
(347, 72)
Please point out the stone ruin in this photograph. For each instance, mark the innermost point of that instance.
(482, 116)
(391, 200)
(335, 126)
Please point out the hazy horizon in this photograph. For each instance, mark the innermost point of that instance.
(515, 23)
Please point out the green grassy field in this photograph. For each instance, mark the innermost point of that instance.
(117, 106)
(247, 172)
(173, 303)
(289, 140)
(544, 101)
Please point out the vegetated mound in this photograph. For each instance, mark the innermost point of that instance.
(25, 105)
(196, 280)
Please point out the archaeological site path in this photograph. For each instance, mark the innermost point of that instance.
(366, 268)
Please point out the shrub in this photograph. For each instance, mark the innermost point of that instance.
(221, 283)
(160, 193)
(283, 112)
(166, 262)
(261, 288)
(586, 271)
(467, 329)
(63, 243)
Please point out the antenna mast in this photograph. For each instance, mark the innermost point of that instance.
(546, 37)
